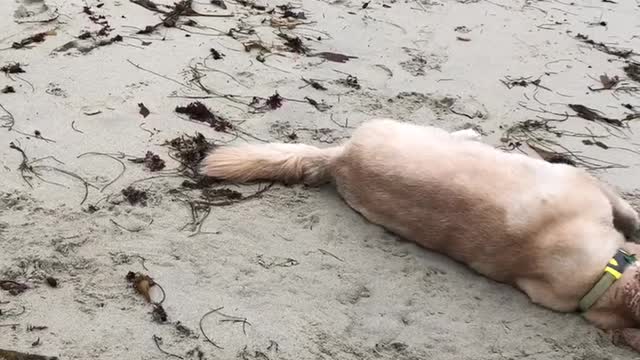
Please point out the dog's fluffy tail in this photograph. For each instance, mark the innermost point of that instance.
(288, 163)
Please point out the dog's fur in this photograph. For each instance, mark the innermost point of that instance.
(547, 229)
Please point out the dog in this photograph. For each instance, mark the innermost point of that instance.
(550, 230)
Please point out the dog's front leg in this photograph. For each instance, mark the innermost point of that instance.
(625, 218)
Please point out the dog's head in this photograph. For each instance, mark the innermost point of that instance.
(619, 308)
(631, 296)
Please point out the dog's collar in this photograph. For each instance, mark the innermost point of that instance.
(612, 273)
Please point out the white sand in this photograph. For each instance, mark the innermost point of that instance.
(383, 298)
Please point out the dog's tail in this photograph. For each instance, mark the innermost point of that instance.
(288, 163)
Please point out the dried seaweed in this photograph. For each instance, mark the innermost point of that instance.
(294, 43)
(320, 106)
(36, 38)
(607, 82)
(16, 355)
(12, 68)
(294, 15)
(143, 110)
(219, 3)
(199, 112)
(314, 84)
(594, 115)
(622, 53)
(350, 81)
(13, 287)
(633, 71)
(333, 57)
(215, 54)
(510, 83)
(189, 151)
(151, 161)
(89, 44)
(134, 196)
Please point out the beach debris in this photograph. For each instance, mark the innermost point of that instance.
(51, 281)
(597, 143)
(215, 54)
(32, 328)
(332, 56)
(320, 106)
(219, 3)
(350, 81)
(8, 90)
(16, 355)
(13, 287)
(622, 53)
(171, 18)
(633, 71)
(594, 115)
(294, 43)
(272, 102)
(158, 314)
(12, 68)
(142, 283)
(289, 14)
(314, 84)
(510, 82)
(36, 38)
(225, 318)
(143, 110)
(88, 44)
(221, 194)
(151, 161)
(158, 341)
(189, 151)
(199, 112)
(607, 82)
(34, 11)
(552, 156)
(252, 5)
(134, 196)
(276, 262)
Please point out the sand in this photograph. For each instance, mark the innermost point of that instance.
(313, 279)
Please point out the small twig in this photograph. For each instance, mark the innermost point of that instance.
(147, 130)
(158, 340)
(157, 74)
(142, 260)
(325, 252)
(73, 126)
(127, 229)
(124, 167)
(10, 120)
(202, 330)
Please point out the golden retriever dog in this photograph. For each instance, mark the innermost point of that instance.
(551, 230)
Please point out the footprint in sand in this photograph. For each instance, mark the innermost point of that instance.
(34, 11)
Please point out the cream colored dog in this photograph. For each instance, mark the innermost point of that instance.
(550, 230)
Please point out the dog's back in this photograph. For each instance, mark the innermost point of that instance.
(510, 217)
